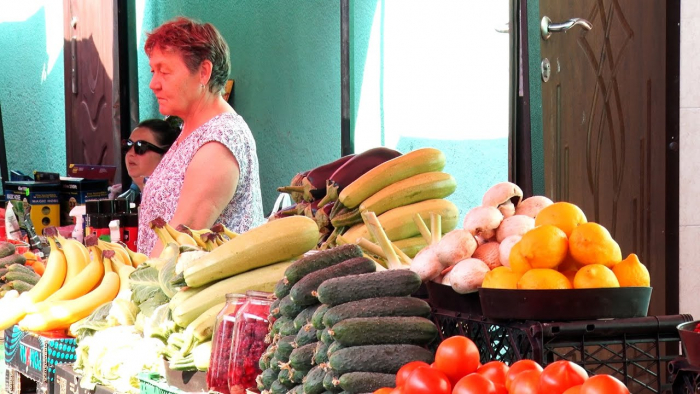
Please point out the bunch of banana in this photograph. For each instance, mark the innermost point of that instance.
(183, 236)
(396, 191)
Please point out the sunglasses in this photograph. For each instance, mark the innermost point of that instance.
(141, 147)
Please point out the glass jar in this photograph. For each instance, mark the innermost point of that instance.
(217, 375)
(248, 341)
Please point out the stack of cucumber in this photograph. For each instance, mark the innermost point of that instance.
(339, 326)
(14, 275)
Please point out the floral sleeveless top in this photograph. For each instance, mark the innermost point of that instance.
(162, 190)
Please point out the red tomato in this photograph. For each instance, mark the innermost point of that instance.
(494, 371)
(397, 390)
(426, 380)
(518, 367)
(526, 382)
(500, 389)
(474, 384)
(457, 357)
(573, 390)
(560, 375)
(406, 370)
(603, 384)
(383, 390)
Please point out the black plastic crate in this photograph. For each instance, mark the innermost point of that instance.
(685, 377)
(632, 350)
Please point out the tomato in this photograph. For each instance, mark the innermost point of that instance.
(383, 390)
(494, 371)
(406, 370)
(603, 384)
(560, 375)
(573, 390)
(457, 357)
(474, 383)
(426, 380)
(526, 382)
(518, 367)
(397, 390)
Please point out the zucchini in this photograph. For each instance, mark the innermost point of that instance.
(302, 357)
(377, 358)
(275, 329)
(389, 283)
(321, 353)
(12, 259)
(285, 346)
(304, 291)
(326, 336)
(267, 377)
(306, 335)
(275, 310)
(359, 331)
(313, 383)
(282, 289)
(290, 377)
(334, 347)
(288, 328)
(374, 307)
(320, 260)
(331, 382)
(304, 317)
(290, 308)
(317, 318)
(277, 387)
(366, 382)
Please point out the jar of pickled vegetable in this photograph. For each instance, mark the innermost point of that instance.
(217, 375)
(248, 341)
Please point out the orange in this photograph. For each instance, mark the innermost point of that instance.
(501, 278)
(631, 272)
(544, 246)
(518, 264)
(564, 215)
(591, 243)
(595, 276)
(570, 274)
(569, 264)
(543, 278)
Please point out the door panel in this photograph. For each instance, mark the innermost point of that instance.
(604, 122)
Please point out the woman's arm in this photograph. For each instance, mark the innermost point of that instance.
(210, 183)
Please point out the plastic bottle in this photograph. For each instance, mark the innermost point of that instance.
(217, 374)
(78, 212)
(248, 341)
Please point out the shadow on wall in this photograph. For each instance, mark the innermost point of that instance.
(31, 94)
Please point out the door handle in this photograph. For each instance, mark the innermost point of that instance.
(547, 27)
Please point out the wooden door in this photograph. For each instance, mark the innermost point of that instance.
(604, 122)
(92, 130)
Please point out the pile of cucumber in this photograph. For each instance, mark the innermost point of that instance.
(14, 275)
(340, 327)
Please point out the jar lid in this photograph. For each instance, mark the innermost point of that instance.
(233, 296)
(258, 294)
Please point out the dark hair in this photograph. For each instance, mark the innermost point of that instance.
(196, 42)
(165, 131)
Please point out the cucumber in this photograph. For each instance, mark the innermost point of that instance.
(302, 357)
(331, 382)
(334, 347)
(7, 249)
(306, 335)
(3, 271)
(298, 389)
(320, 260)
(289, 308)
(389, 283)
(20, 285)
(372, 307)
(290, 377)
(282, 289)
(304, 317)
(268, 376)
(288, 328)
(313, 383)
(304, 291)
(275, 310)
(319, 335)
(326, 336)
(285, 346)
(366, 382)
(321, 353)
(359, 331)
(317, 318)
(264, 362)
(275, 365)
(377, 358)
(278, 388)
(275, 329)
(12, 259)
(27, 277)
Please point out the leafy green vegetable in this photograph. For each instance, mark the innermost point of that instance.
(166, 274)
(147, 293)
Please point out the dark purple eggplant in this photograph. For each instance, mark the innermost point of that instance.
(313, 185)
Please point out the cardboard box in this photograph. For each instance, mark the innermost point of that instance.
(36, 356)
(43, 198)
(67, 381)
(16, 383)
(76, 191)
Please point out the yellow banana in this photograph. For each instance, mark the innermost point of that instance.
(109, 257)
(158, 225)
(195, 234)
(135, 257)
(223, 232)
(86, 280)
(77, 257)
(121, 252)
(181, 238)
(402, 167)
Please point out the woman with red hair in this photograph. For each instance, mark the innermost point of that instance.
(210, 174)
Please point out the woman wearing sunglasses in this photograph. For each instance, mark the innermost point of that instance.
(210, 173)
(146, 146)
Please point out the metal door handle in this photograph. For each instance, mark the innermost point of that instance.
(547, 27)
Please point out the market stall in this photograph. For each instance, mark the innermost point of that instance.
(371, 281)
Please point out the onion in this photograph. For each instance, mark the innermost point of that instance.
(489, 253)
(505, 247)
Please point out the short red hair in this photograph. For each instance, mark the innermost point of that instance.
(196, 42)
